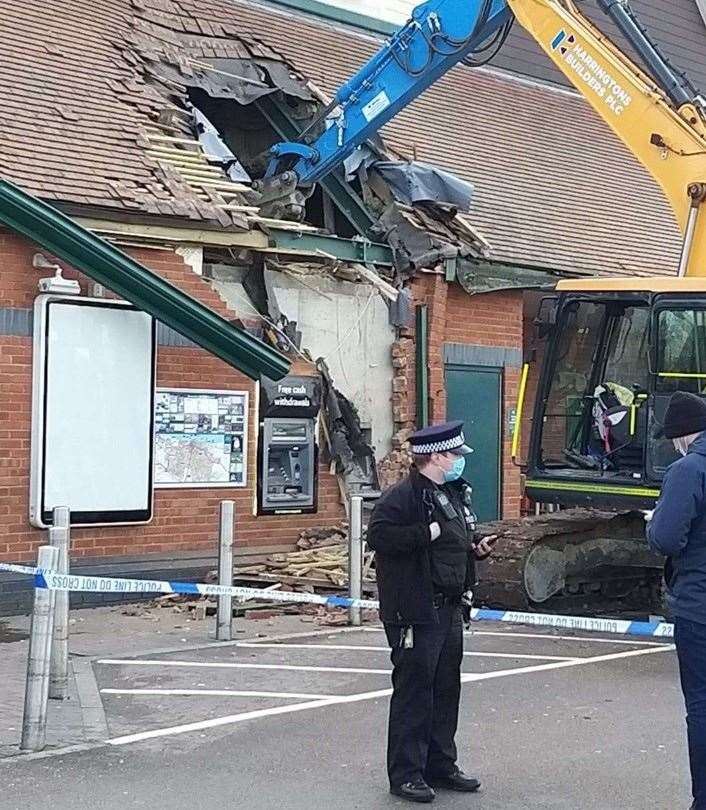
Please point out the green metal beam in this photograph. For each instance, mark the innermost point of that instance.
(109, 266)
(421, 348)
(348, 250)
(345, 198)
(484, 277)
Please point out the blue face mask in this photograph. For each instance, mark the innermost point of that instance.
(456, 471)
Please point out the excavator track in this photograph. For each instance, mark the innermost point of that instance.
(586, 560)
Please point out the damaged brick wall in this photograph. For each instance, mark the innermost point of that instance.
(394, 466)
(491, 321)
(184, 519)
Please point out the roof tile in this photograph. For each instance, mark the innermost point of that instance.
(555, 190)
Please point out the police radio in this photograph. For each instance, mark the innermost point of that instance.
(468, 513)
(443, 502)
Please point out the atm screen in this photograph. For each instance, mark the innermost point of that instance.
(288, 431)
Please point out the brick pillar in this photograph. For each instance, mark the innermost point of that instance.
(437, 333)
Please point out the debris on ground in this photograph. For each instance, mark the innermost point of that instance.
(319, 565)
(320, 561)
(334, 617)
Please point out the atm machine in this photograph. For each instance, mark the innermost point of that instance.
(287, 451)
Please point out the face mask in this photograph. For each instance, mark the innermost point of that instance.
(456, 470)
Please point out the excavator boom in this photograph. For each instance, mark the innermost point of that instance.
(616, 348)
(653, 109)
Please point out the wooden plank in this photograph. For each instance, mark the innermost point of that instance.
(153, 136)
(172, 159)
(183, 153)
(234, 187)
(390, 292)
(315, 582)
(241, 208)
(202, 172)
(284, 224)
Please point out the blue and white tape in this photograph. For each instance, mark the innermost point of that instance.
(71, 582)
(586, 623)
(56, 581)
(18, 569)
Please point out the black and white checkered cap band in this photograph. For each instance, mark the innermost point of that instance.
(439, 447)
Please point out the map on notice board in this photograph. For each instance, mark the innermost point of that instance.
(200, 438)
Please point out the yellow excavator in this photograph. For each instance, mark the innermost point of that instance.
(615, 349)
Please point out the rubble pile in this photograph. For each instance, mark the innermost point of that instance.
(321, 560)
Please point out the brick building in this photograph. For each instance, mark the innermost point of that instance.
(100, 122)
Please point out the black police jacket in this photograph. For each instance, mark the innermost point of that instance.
(399, 534)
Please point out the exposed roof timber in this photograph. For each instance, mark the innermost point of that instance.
(103, 262)
(318, 245)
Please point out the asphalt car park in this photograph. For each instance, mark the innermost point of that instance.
(548, 720)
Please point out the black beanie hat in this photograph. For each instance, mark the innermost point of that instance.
(686, 414)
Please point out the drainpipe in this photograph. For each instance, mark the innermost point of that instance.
(421, 364)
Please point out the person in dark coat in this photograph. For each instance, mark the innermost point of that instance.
(424, 535)
(677, 529)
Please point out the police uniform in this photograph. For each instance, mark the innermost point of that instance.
(421, 581)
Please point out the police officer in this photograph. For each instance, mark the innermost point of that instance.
(423, 533)
(677, 529)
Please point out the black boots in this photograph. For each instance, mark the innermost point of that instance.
(417, 791)
(420, 791)
(456, 781)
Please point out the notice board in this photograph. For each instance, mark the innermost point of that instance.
(200, 438)
(92, 411)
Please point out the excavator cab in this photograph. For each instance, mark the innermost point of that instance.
(611, 363)
(614, 352)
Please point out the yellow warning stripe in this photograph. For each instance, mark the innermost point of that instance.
(599, 489)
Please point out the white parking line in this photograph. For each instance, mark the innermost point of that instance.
(214, 693)
(255, 644)
(380, 693)
(513, 634)
(591, 639)
(220, 664)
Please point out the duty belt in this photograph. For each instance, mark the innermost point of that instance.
(442, 599)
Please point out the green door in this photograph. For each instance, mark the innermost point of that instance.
(473, 394)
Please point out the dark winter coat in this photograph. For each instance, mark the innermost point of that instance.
(399, 534)
(678, 530)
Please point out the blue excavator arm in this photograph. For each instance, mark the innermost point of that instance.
(439, 34)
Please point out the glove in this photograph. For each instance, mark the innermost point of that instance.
(466, 607)
(434, 531)
(647, 514)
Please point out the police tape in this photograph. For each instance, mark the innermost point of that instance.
(56, 581)
(585, 623)
(71, 582)
(18, 569)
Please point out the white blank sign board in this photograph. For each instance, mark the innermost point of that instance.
(93, 406)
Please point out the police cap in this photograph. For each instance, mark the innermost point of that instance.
(446, 438)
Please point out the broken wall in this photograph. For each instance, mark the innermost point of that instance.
(345, 323)
(185, 519)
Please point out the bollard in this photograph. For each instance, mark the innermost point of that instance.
(34, 721)
(224, 621)
(355, 557)
(59, 537)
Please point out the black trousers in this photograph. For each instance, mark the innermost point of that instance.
(690, 638)
(426, 689)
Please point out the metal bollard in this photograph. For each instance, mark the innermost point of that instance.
(224, 621)
(34, 721)
(355, 558)
(59, 537)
